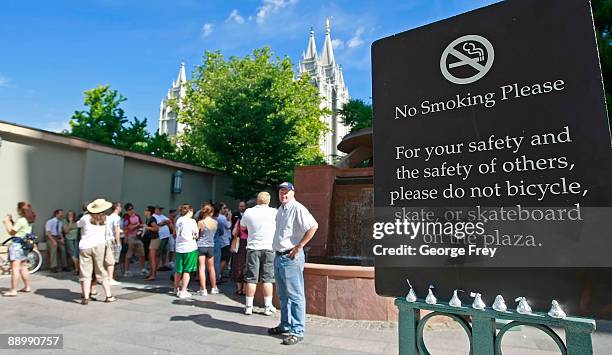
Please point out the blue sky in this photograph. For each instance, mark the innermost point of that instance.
(51, 51)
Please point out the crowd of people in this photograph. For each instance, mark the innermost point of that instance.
(260, 244)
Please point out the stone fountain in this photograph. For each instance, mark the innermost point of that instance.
(339, 276)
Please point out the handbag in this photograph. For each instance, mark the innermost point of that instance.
(27, 242)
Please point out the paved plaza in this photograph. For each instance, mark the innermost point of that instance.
(148, 319)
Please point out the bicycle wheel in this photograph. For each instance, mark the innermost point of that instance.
(34, 261)
(5, 267)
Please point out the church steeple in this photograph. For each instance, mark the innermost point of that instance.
(327, 57)
(182, 77)
(167, 115)
(327, 77)
(311, 52)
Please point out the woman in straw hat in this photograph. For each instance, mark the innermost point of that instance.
(92, 247)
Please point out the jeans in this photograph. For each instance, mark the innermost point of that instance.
(289, 274)
(218, 258)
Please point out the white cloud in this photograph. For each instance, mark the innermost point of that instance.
(356, 40)
(58, 127)
(207, 29)
(3, 80)
(269, 7)
(337, 43)
(235, 16)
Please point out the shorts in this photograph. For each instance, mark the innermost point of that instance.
(208, 252)
(226, 253)
(171, 245)
(16, 252)
(186, 262)
(135, 247)
(260, 266)
(109, 257)
(163, 245)
(154, 244)
(91, 260)
(116, 248)
(72, 247)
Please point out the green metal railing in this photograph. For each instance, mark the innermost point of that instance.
(481, 332)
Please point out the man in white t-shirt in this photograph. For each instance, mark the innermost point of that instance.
(260, 222)
(113, 242)
(165, 233)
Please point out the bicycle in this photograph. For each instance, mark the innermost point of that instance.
(33, 259)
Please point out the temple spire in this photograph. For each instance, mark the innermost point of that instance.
(182, 77)
(327, 57)
(311, 52)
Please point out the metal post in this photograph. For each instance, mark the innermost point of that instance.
(408, 320)
(578, 342)
(483, 334)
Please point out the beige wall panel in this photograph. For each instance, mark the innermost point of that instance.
(47, 175)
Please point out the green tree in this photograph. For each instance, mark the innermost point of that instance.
(251, 118)
(160, 145)
(356, 114)
(134, 136)
(105, 122)
(104, 119)
(602, 14)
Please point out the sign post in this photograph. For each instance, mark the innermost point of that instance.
(493, 170)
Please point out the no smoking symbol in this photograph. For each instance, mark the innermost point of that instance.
(473, 51)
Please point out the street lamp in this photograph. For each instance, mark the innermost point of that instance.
(177, 182)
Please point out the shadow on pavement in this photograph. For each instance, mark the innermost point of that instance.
(207, 321)
(59, 294)
(209, 305)
(150, 289)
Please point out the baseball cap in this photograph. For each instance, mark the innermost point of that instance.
(159, 207)
(286, 185)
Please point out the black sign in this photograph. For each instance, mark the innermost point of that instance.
(493, 164)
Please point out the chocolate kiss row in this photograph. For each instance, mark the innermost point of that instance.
(499, 304)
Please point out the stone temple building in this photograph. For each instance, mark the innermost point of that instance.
(167, 116)
(325, 74)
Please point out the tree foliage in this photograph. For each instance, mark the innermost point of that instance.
(602, 14)
(251, 118)
(104, 121)
(356, 114)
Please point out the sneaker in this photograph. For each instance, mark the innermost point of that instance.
(214, 291)
(127, 274)
(248, 310)
(270, 311)
(114, 282)
(183, 295)
(202, 292)
(292, 340)
(144, 271)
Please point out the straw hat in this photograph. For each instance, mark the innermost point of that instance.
(98, 206)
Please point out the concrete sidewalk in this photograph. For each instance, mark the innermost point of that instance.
(147, 319)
